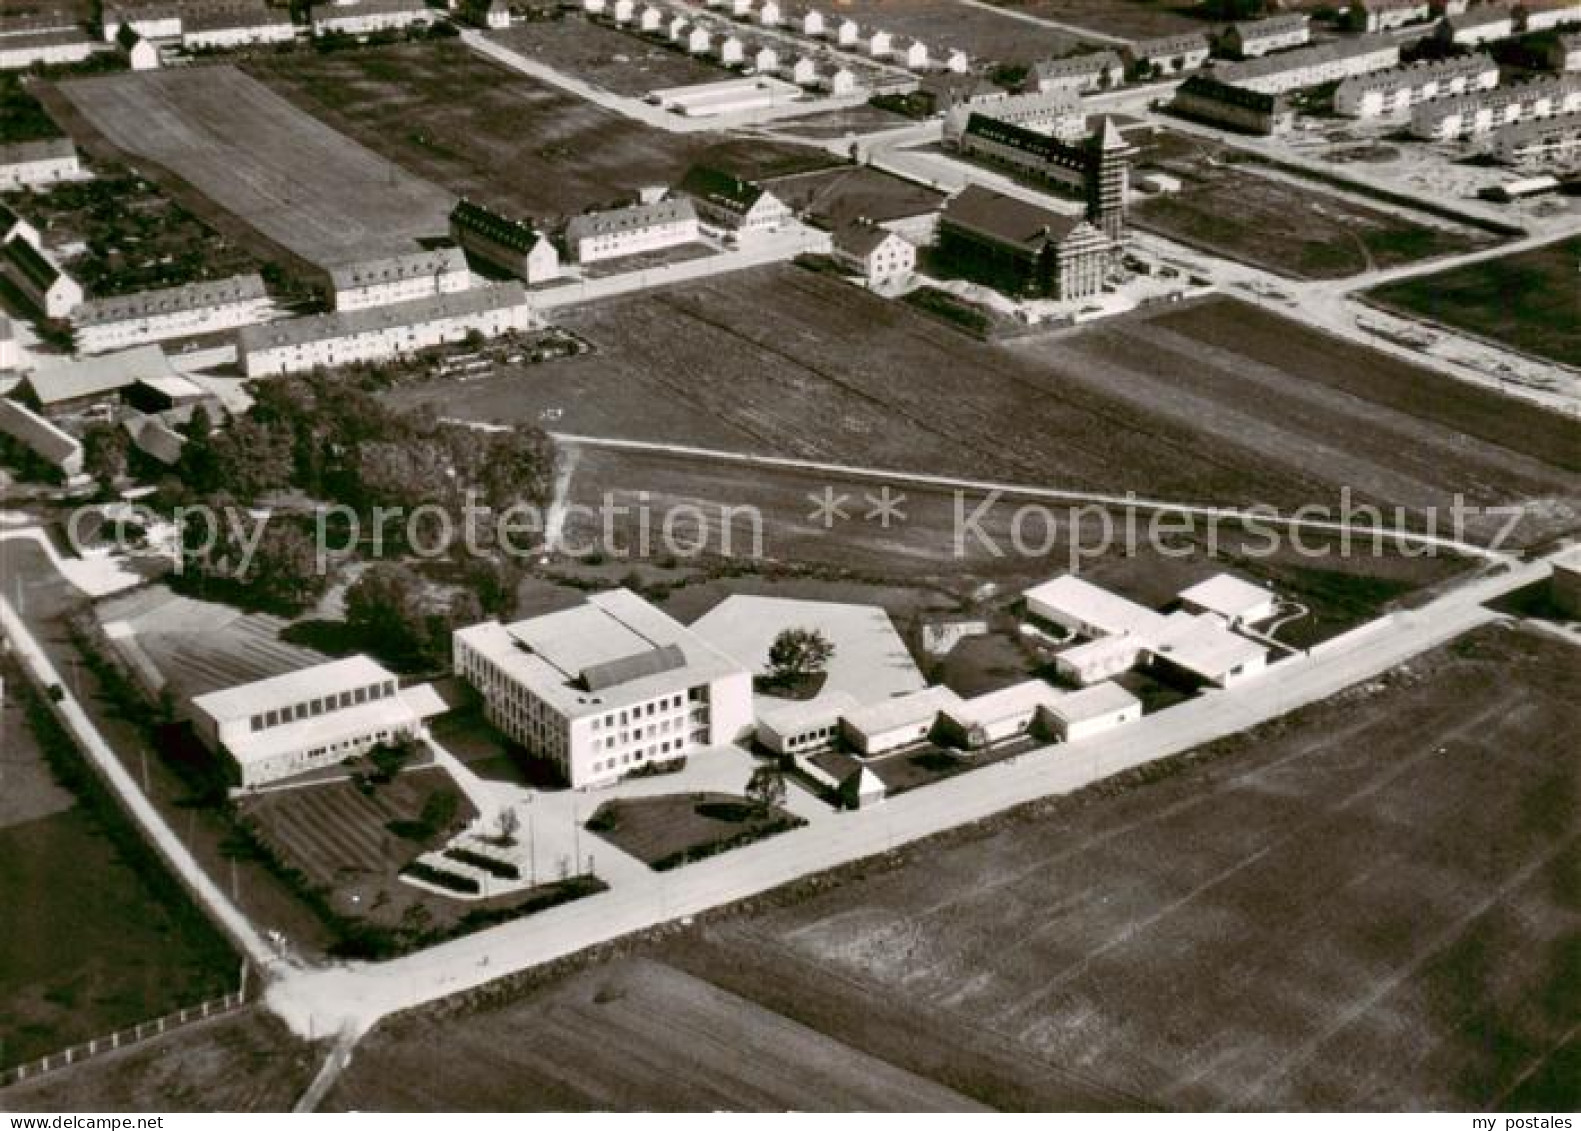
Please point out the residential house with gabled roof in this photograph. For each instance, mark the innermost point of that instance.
(514, 246)
(1167, 55)
(42, 281)
(620, 232)
(725, 200)
(1481, 24)
(222, 29)
(1089, 71)
(1246, 39)
(399, 278)
(204, 307)
(1385, 15)
(880, 255)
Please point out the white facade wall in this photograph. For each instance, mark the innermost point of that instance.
(1086, 728)
(401, 290)
(104, 336)
(227, 38)
(1362, 99)
(634, 241)
(18, 56)
(25, 174)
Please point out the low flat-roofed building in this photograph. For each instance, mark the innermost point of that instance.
(1167, 55)
(1236, 107)
(619, 232)
(399, 278)
(304, 720)
(206, 307)
(804, 728)
(66, 387)
(1105, 657)
(890, 724)
(380, 333)
(1250, 38)
(1228, 596)
(1312, 66)
(222, 29)
(1092, 710)
(40, 438)
(515, 246)
(49, 48)
(1397, 91)
(996, 716)
(1205, 651)
(1077, 605)
(606, 687)
(29, 164)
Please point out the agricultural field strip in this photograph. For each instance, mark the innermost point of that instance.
(1051, 494)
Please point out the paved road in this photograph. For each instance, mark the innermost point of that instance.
(356, 996)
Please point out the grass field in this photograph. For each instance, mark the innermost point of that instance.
(630, 1036)
(1289, 228)
(667, 831)
(1130, 19)
(607, 58)
(106, 938)
(490, 134)
(1215, 401)
(1377, 911)
(248, 1061)
(298, 182)
(1527, 300)
(985, 36)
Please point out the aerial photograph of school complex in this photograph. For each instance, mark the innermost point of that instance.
(790, 556)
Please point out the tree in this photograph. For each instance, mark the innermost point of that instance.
(439, 811)
(799, 652)
(284, 570)
(105, 448)
(766, 788)
(506, 824)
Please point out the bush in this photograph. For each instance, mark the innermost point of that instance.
(501, 869)
(441, 878)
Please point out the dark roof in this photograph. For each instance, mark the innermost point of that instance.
(40, 271)
(220, 19)
(1168, 45)
(833, 198)
(1008, 219)
(613, 673)
(1273, 25)
(861, 238)
(1085, 63)
(169, 300)
(717, 187)
(1204, 87)
(634, 218)
(516, 234)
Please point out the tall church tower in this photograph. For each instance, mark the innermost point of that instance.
(1108, 179)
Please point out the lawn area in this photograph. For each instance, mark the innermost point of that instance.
(498, 137)
(985, 36)
(1529, 300)
(1130, 19)
(247, 1061)
(672, 830)
(101, 936)
(606, 57)
(1296, 230)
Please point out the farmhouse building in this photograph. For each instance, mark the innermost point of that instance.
(46, 48)
(27, 164)
(1021, 248)
(1167, 55)
(104, 324)
(1235, 107)
(598, 236)
(1481, 24)
(381, 333)
(878, 254)
(369, 16)
(139, 52)
(1481, 112)
(42, 281)
(1247, 39)
(514, 246)
(305, 720)
(399, 278)
(1396, 92)
(724, 200)
(1385, 15)
(1312, 66)
(1080, 74)
(605, 688)
(222, 29)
